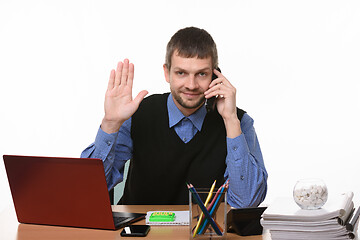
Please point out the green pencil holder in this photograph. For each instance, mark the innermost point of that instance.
(200, 225)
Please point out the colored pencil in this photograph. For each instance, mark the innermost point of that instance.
(206, 203)
(203, 209)
(214, 208)
(210, 206)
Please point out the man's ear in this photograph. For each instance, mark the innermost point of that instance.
(166, 73)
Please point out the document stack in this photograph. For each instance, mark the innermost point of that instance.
(336, 220)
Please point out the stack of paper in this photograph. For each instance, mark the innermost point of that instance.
(286, 220)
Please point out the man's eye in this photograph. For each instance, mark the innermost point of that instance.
(180, 73)
(202, 74)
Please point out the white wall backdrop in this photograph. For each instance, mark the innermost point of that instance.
(295, 65)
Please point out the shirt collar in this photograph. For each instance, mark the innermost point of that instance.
(175, 115)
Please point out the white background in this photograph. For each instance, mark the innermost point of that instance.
(295, 65)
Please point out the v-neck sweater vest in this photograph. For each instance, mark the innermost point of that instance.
(162, 163)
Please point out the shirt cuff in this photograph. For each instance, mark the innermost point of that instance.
(237, 147)
(105, 142)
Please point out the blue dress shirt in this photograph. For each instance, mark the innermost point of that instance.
(245, 166)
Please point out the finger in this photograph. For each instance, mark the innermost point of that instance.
(220, 76)
(217, 90)
(111, 80)
(118, 73)
(140, 97)
(220, 81)
(125, 72)
(131, 75)
(211, 92)
(218, 73)
(215, 82)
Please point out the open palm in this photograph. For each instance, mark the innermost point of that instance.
(119, 103)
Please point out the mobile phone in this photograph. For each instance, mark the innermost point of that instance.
(135, 231)
(210, 103)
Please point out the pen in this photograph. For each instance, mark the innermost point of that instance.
(203, 209)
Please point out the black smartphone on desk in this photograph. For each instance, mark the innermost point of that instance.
(135, 231)
(211, 102)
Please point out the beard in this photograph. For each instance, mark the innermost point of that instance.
(188, 104)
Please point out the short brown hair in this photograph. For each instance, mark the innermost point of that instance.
(192, 42)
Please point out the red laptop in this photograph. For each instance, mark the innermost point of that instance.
(63, 192)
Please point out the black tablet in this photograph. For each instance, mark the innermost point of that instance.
(245, 221)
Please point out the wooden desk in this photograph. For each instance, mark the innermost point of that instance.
(10, 229)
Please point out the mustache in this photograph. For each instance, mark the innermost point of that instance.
(192, 91)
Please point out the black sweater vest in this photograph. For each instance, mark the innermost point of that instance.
(162, 163)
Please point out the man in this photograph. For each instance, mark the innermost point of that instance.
(171, 139)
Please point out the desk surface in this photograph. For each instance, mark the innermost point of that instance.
(10, 229)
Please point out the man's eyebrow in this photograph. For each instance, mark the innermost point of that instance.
(205, 69)
(200, 70)
(179, 69)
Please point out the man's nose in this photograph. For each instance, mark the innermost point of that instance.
(191, 82)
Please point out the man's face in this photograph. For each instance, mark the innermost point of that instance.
(189, 78)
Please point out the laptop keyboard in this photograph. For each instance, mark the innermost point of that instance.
(119, 220)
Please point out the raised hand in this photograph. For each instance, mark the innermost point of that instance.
(119, 103)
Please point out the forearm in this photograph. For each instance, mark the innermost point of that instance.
(114, 150)
(245, 167)
(247, 178)
(103, 148)
(232, 126)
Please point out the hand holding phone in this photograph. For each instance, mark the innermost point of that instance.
(135, 231)
(210, 103)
